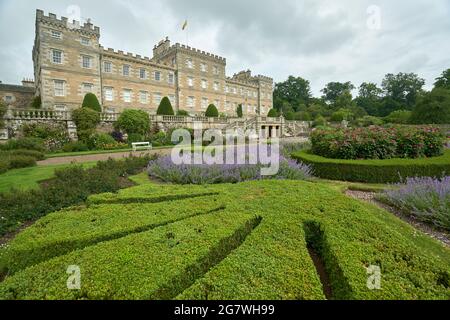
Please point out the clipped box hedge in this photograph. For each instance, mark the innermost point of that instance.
(375, 171)
(65, 231)
(254, 249)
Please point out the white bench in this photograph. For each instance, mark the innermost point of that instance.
(141, 145)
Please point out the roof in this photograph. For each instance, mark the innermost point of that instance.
(16, 88)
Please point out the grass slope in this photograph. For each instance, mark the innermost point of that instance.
(29, 178)
(229, 254)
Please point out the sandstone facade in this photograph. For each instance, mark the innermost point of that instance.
(69, 62)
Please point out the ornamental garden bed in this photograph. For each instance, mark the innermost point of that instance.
(375, 171)
(251, 240)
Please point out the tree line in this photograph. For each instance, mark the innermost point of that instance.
(400, 99)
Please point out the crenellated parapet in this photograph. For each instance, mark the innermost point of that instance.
(136, 58)
(198, 53)
(52, 20)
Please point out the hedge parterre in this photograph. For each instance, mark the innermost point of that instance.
(375, 171)
(255, 248)
(378, 142)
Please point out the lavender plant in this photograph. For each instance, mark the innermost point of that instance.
(427, 199)
(164, 169)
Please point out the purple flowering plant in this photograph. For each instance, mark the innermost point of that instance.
(426, 199)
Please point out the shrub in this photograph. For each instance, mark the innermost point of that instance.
(118, 136)
(342, 114)
(28, 153)
(426, 199)
(319, 121)
(75, 146)
(90, 101)
(25, 143)
(273, 113)
(54, 135)
(4, 165)
(85, 119)
(36, 103)
(18, 161)
(368, 121)
(103, 141)
(239, 111)
(375, 171)
(133, 121)
(135, 137)
(212, 111)
(377, 143)
(182, 113)
(399, 117)
(165, 108)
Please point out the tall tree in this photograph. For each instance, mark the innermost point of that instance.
(433, 108)
(403, 88)
(295, 90)
(334, 90)
(444, 80)
(369, 98)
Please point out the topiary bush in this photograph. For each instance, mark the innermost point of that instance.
(239, 111)
(90, 101)
(212, 111)
(133, 121)
(3, 110)
(165, 108)
(36, 103)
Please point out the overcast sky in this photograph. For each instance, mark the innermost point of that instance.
(320, 40)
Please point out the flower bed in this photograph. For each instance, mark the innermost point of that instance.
(375, 171)
(378, 143)
(426, 199)
(164, 169)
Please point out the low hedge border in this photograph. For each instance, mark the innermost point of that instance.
(375, 171)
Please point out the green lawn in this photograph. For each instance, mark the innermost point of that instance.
(241, 241)
(29, 178)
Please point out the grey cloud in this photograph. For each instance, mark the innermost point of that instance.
(320, 40)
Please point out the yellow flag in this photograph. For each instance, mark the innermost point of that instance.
(185, 25)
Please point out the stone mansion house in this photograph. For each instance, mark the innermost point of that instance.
(70, 62)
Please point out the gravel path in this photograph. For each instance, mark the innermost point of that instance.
(443, 237)
(100, 157)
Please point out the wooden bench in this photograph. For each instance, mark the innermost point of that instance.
(141, 145)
